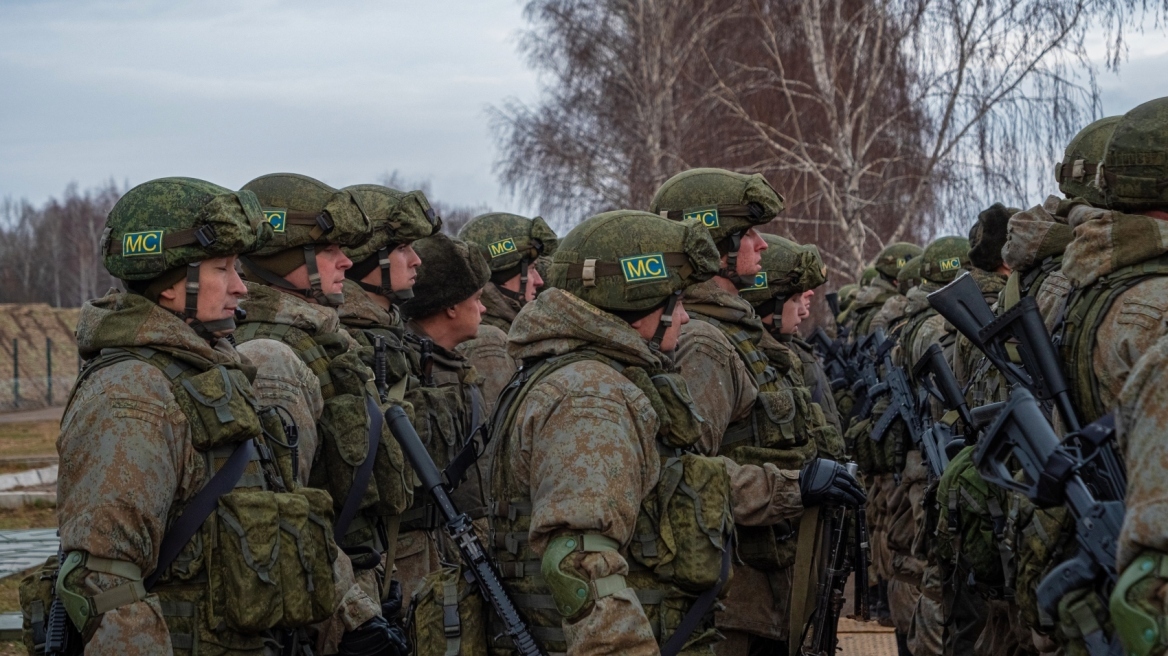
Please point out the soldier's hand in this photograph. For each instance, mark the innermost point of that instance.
(824, 481)
(377, 637)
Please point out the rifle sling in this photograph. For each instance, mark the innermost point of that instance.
(805, 565)
(701, 606)
(200, 508)
(363, 473)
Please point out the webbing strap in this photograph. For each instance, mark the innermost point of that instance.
(701, 606)
(451, 623)
(200, 508)
(363, 473)
(805, 564)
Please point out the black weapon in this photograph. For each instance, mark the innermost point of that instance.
(1021, 331)
(832, 299)
(61, 637)
(844, 557)
(380, 374)
(935, 379)
(1056, 473)
(839, 371)
(866, 385)
(479, 566)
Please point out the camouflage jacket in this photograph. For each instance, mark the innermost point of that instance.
(365, 321)
(487, 353)
(128, 460)
(869, 302)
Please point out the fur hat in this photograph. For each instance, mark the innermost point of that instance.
(451, 272)
(988, 236)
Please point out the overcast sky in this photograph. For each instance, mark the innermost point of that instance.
(343, 90)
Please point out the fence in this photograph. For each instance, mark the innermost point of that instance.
(38, 356)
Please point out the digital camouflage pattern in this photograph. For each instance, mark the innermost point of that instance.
(113, 427)
(505, 240)
(727, 203)
(1076, 174)
(893, 257)
(396, 217)
(365, 321)
(945, 259)
(1136, 162)
(299, 193)
(868, 302)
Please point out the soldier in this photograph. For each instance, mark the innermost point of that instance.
(1115, 314)
(883, 286)
(595, 436)
(512, 245)
(751, 416)
(162, 428)
(448, 405)
(314, 372)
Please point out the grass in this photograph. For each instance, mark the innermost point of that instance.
(37, 515)
(29, 439)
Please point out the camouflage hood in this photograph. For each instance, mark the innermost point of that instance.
(557, 322)
(123, 320)
(360, 311)
(501, 310)
(874, 294)
(709, 299)
(267, 304)
(989, 282)
(1034, 235)
(1109, 241)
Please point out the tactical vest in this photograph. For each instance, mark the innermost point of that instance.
(971, 529)
(1082, 317)
(272, 566)
(387, 357)
(682, 532)
(346, 386)
(448, 415)
(865, 314)
(777, 431)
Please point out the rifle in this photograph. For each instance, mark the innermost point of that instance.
(904, 404)
(1040, 371)
(1056, 473)
(839, 371)
(832, 299)
(61, 637)
(866, 385)
(936, 379)
(843, 559)
(478, 566)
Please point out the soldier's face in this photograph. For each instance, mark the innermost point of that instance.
(749, 253)
(465, 317)
(647, 326)
(331, 262)
(805, 303)
(534, 284)
(403, 267)
(792, 316)
(220, 290)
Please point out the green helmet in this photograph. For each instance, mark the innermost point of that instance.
(630, 263)
(944, 259)
(304, 213)
(868, 276)
(727, 203)
(847, 295)
(451, 272)
(510, 244)
(160, 231)
(1135, 166)
(988, 236)
(893, 257)
(1075, 175)
(398, 217)
(788, 268)
(909, 275)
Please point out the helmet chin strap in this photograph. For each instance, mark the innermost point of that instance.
(730, 272)
(521, 295)
(206, 329)
(665, 323)
(386, 287)
(314, 291)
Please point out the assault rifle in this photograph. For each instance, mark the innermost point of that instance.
(936, 379)
(866, 386)
(844, 557)
(1054, 473)
(1021, 334)
(839, 370)
(61, 637)
(478, 565)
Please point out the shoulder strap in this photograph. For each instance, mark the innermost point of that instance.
(361, 476)
(200, 508)
(700, 607)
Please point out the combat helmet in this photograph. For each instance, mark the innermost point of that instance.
(398, 217)
(909, 276)
(1134, 173)
(451, 272)
(788, 268)
(1075, 175)
(847, 296)
(510, 244)
(630, 263)
(160, 231)
(944, 259)
(304, 213)
(894, 256)
(727, 203)
(868, 276)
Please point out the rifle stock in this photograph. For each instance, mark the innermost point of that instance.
(832, 299)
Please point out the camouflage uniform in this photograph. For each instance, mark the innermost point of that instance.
(510, 244)
(139, 440)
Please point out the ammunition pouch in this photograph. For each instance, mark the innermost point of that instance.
(447, 617)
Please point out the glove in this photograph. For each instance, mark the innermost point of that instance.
(392, 604)
(824, 481)
(377, 637)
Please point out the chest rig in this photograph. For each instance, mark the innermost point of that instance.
(679, 555)
(258, 566)
(363, 472)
